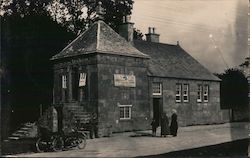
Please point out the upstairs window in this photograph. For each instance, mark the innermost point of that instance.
(64, 81)
(157, 88)
(125, 112)
(205, 93)
(199, 93)
(185, 92)
(178, 93)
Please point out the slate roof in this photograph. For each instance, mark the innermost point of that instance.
(99, 38)
(173, 61)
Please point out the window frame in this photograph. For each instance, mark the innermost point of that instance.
(199, 91)
(124, 112)
(178, 94)
(160, 89)
(64, 82)
(187, 92)
(206, 89)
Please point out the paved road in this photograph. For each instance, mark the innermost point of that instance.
(131, 144)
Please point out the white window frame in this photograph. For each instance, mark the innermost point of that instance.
(160, 88)
(185, 88)
(179, 89)
(64, 81)
(199, 93)
(205, 93)
(124, 112)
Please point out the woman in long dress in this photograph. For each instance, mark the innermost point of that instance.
(174, 123)
(164, 125)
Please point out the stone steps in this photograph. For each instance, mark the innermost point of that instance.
(25, 131)
(79, 113)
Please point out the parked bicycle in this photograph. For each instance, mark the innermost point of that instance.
(49, 141)
(76, 138)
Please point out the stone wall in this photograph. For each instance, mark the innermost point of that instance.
(86, 64)
(192, 112)
(111, 96)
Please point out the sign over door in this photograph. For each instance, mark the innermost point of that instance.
(124, 80)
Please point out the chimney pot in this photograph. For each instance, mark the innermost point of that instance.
(153, 30)
(126, 29)
(149, 30)
(152, 36)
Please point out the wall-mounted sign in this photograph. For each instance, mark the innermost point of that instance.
(82, 80)
(124, 80)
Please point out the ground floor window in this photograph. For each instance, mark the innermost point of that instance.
(157, 88)
(125, 112)
(205, 93)
(185, 92)
(199, 93)
(178, 93)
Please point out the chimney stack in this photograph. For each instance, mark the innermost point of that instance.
(126, 29)
(152, 36)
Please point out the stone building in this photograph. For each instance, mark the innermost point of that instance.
(127, 82)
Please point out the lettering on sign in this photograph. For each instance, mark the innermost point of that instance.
(82, 80)
(124, 80)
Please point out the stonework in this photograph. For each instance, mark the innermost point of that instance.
(191, 112)
(118, 79)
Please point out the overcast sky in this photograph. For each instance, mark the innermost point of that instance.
(212, 31)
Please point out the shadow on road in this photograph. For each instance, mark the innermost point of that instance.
(236, 148)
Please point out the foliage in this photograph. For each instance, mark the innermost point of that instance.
(138, 35)
(26, 50)
(234, 89)
(32, 31)
(76, 15)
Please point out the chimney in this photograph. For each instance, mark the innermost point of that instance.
(126, 29)
(151, 36)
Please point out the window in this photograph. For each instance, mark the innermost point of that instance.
(157, 88)
(178, 93)
(125, 112)
(205, 93)
(199, 93)
(185, 92)
(64, 81)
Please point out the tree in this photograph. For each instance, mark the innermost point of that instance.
(32, 31)
(27, 45)
(80, 13)
(234, 89)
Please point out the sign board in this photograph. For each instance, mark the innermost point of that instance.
(82, 80)
(124, 80)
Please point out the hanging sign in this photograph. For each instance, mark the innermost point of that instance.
(124, 80)
(82, 80)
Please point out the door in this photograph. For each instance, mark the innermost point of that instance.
(157, 109)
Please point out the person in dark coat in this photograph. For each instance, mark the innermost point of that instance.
(174, 123)
(164, 125)
(154, 125)
(93, 126)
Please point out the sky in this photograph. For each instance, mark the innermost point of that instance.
(212, 31)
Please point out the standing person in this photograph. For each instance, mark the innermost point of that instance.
(174, 123)
(164, 125)
(154, 127)
(93, 126)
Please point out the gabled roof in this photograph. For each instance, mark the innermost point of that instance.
(173, 61)
(99, 38)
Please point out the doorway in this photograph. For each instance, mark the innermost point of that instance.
(157, 109)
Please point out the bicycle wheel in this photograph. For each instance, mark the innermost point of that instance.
(57, 144)
(81, 142)
(39, 145)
